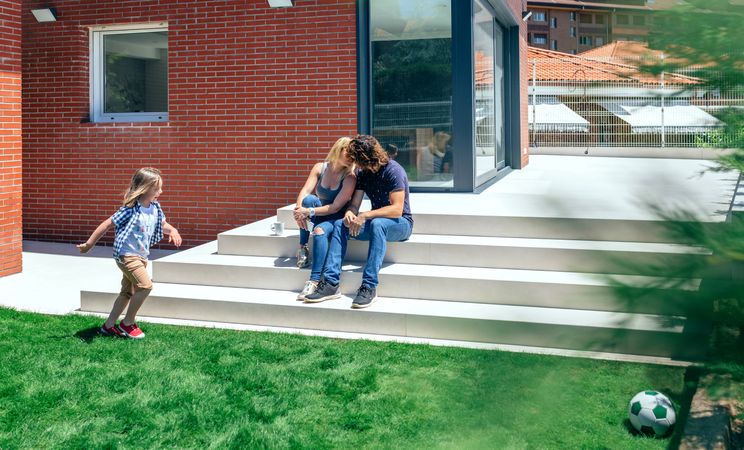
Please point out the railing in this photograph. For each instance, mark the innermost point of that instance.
(607, 102)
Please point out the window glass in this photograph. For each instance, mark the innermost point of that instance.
(136, 72)
(585, 18)
(539, 38)
(621, 19)
(600, 19)
(412, 85)
(553, 44)
(489, 92)
(639, 20)
(572, 31)
(538, 16)
(129, 73)
(553, 22)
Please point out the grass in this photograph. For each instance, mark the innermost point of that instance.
(62, 386)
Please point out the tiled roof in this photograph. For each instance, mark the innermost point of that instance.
(556, 66)
(621, 49)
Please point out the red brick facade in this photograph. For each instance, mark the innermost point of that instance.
(255, 95)
(10, 137)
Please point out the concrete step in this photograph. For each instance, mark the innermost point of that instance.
(256, 239)
(638, 334)
(549, 227)
(203, 266)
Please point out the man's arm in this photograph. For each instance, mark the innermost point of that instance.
(353, 210)
(392, 211)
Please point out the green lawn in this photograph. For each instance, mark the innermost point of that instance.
(61, 386)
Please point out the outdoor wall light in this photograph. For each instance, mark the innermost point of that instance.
(280, 3)
(45, 14)
(526, 15)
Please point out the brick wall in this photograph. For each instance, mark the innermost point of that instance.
(10, 137)
(256, 95)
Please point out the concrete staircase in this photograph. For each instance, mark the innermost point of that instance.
(527, 281)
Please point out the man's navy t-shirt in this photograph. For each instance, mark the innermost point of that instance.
(390, 178)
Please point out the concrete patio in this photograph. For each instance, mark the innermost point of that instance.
(606, 195)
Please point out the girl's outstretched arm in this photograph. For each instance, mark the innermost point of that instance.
(100, 231)
(173, 235)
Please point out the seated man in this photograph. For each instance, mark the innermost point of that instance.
(386, 184)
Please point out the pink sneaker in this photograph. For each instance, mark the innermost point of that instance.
(111, 331)
(131, 331)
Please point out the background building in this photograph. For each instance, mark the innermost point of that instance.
(572, 26)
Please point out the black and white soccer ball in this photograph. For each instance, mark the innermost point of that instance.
(652, 413)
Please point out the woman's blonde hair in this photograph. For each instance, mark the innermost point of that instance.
(334, 155)
(142, 181)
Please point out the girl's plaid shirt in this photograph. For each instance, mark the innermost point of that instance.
(124, 220)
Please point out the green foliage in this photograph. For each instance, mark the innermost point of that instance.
(412, 70)
(63, 386)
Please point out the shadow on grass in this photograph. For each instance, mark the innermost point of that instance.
(89, 334)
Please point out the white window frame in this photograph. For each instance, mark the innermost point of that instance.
(541, 14)
(97, 74)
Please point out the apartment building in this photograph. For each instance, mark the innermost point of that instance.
(572, 26)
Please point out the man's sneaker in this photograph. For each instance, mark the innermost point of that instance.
(324, 291)
(131, 331)
(111, 331)
(303, 257)
(310, 287)
(365, 297)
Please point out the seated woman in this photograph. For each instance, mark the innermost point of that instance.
(321, 201)
(435, 158)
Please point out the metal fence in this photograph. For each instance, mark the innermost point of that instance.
(608, 102)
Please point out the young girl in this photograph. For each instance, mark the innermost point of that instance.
(140, 223)
(333, 183)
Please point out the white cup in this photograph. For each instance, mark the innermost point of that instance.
(278, 228)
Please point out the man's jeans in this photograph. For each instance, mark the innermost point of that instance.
(378, 232)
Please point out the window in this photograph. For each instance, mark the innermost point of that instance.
(553, 44)
(573, 52)
(598, 41)
(129, 73)
(539, 39)
(572, 31)
(621, 19)
(639, 20)
(585, 18)
(553, 22)
(573, 16)
(538, 16)
(585, 40)
(600, 19)
(411, 77)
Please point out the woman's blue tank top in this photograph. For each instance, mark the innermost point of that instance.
(326, 195)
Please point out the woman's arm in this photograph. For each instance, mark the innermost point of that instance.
(308, 188)
(310, 183)
(341, 199)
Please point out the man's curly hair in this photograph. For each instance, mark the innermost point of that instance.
(366, 152)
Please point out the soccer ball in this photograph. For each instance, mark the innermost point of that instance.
(651, 413)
